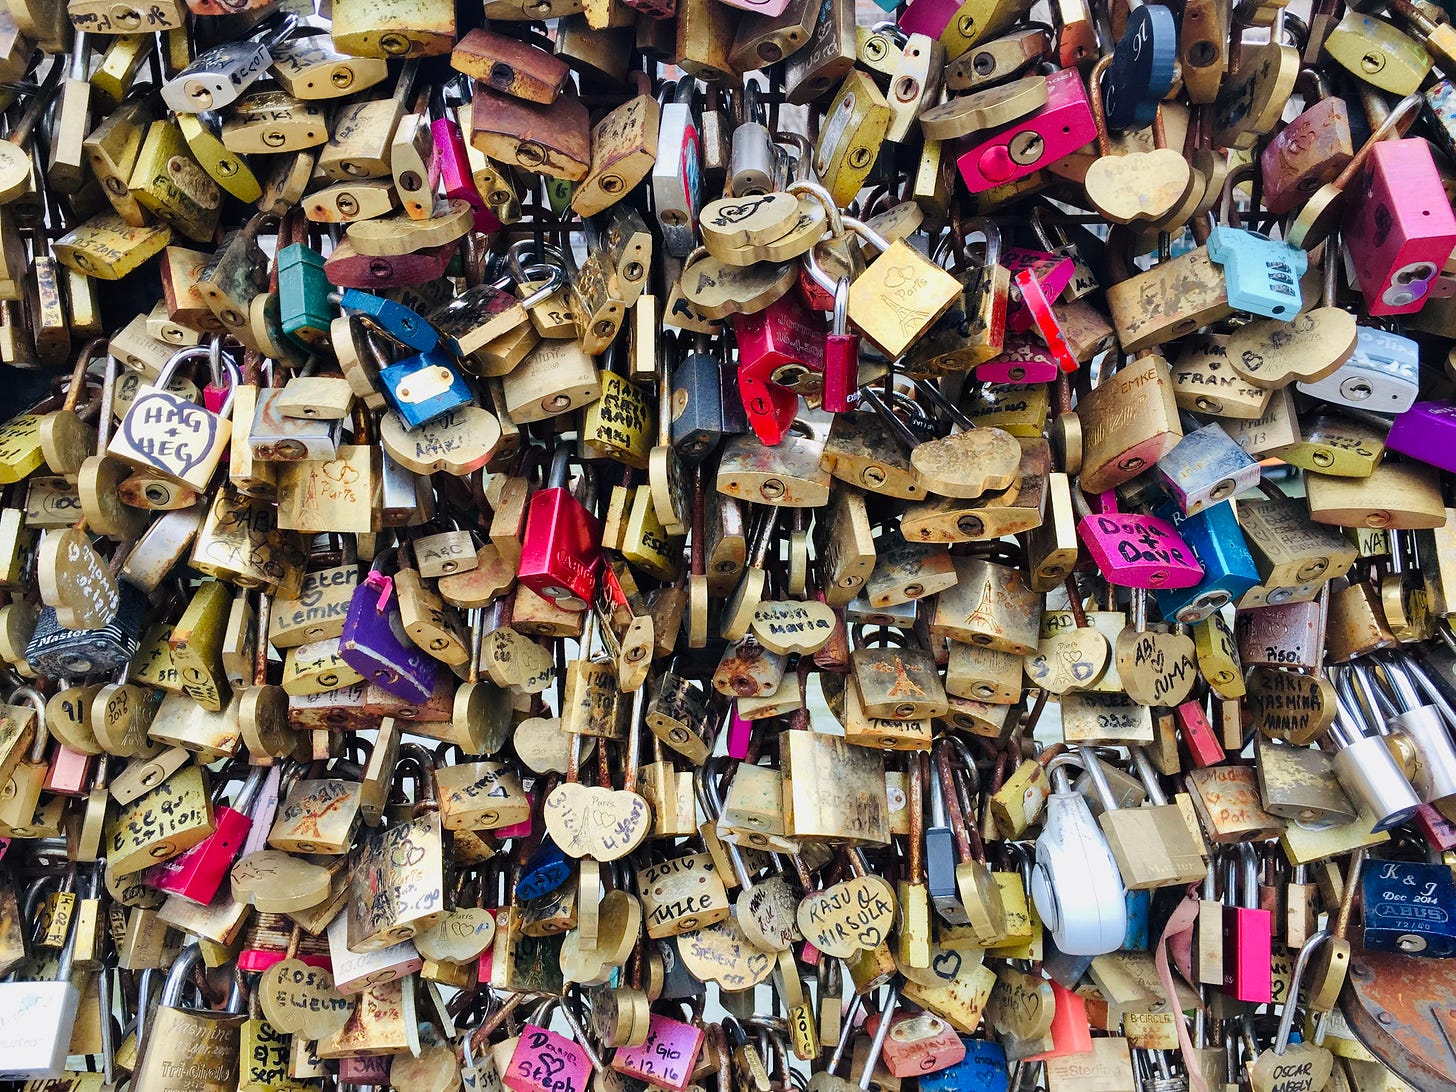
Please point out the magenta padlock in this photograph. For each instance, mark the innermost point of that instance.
(841, 356)
(544, 1061)
(1399, 229)
(195, 874)
(69, 773)
(1426, 431)
(666, 1058)
(1055, 130)
(1133, 550)
(740, 734)
(1023, 359)
(456, 177)
(1248, 932)
(561, 544)
(374, 642)
(523, 828)
(928, 17)
(778, 349)
(1053, 272)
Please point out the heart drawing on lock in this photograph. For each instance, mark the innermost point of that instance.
(849, 917)
(590, 821)
(1072, 659)
(169, 432)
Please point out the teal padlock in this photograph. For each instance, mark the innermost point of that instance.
(1262, 273)
(303, 296)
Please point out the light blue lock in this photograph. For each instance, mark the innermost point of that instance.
(1262, 273)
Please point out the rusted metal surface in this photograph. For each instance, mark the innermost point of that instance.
(1403, 1008)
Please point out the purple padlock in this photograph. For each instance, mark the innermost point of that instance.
(374, 642)
(1426, 431)
(1133, 550)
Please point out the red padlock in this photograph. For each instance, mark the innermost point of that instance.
(561, 544)
(197, 873)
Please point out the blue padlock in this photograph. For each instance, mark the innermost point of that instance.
(983, 1069)
(1141, 73)
(424, 388)
(1139, 905)
(547, 870)
(1228, 567)
(393, 319)
(1262, 273)
(1409, 908)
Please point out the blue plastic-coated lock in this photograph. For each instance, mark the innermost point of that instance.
(1228, 568)
(393, 319)
(1139, 906)
(547, 870)
(1141, 73)
(1262, 273)
(423, 388)
(983, 1068)
(1410, 908)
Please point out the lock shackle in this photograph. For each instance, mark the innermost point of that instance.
(1060, 779)
(252, 787)
(932, 394)
(877, 1044)
(177, 978)
(1397, 677)
(1148, 775)
(1098, 776)
(807, 188)
(1291, 1001)
(869, 234)
(826, 282)
(29, 695)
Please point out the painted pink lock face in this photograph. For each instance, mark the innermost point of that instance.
(544, 1061)
(666, 1057)
(1136, 551)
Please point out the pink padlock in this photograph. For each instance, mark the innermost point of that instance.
(544, 1061)
(667, 1057)
(1399, 230)
(1057, 129)
(523, 828)
(1053, 272)
(1133, 550)
(455, 174)
(928, 17)
(1023, 359)
(69, 773)
(196, 874)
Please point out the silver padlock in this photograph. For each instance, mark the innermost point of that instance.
(752, 159)
(1381, 376)
(1206, 467)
